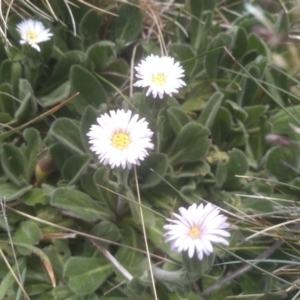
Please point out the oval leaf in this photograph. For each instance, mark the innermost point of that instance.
(74, 167)
(192, 144)
(80, 204)
(90, 89)
(67, 132)
(85, 274)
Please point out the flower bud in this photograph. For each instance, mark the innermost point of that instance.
(44, 168)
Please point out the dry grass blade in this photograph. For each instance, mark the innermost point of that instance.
(86, 235)
(145, 235)
(96, 8)
(35, 9)
(112, 259)
(71, 16)
(51, 10)
(42, 116)
(245, 269)
(14, 275)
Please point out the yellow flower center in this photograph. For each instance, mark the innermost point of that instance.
(120, 140)
(31, 35)
(195, 233)
(159, 79)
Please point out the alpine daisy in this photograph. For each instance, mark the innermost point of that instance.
(33, 32)
(161, 74)
(196, 228)
(120, 139)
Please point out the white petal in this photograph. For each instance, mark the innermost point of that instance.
(207, 219)
(33, 32)
(154, 65)
(120, 121)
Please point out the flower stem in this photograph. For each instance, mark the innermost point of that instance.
(122, 176)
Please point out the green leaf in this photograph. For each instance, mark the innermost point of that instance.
(106, 230)
(116, 73)
(14, 164)
(132, 261)
(35, 196)
(5, 118)
(273, 86)
(216, 54)
(63, 66)
(59, 154)
(67, 132)
(11, 72)
(27, 233)
(89, 26)
(128, 24)
(28, 105)
(106, 187)
(158, 162)
(58, 252)
(112, 298)
(8, 281)
(240, 42)
(256, 43)
(11, 192)
(210, 110)
(177, 118)
(37, 288)
(221, 127)
(283, 162)
(156, 235)
(89, 117)
(191, 144)
(236, 110)
(84, 275)
(62, 292)
(80, 204)
(101, 54)
(137, 287)
(238, 136)
(16, 54)
(166, 132)
(90, 89)
(74, 167)
(283, 24)
(196, 27)
(195, 103)
(88, 185)
(7, 104)
(148, 215)
(249, 57)
(33, 141)
(194, 169)
(237, 164)
(251, 205)
(281, 120)
(254, 113)
(201, 23)
(249, 88)
(57, 95)
(186, 55)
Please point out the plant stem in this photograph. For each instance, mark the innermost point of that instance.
(122, 176)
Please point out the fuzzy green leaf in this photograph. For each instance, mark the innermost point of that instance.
(80, 204)
(85, 274)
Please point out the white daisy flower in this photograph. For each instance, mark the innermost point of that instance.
(161, 74)
(120, 139)
(33, 32)
(196, 229)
